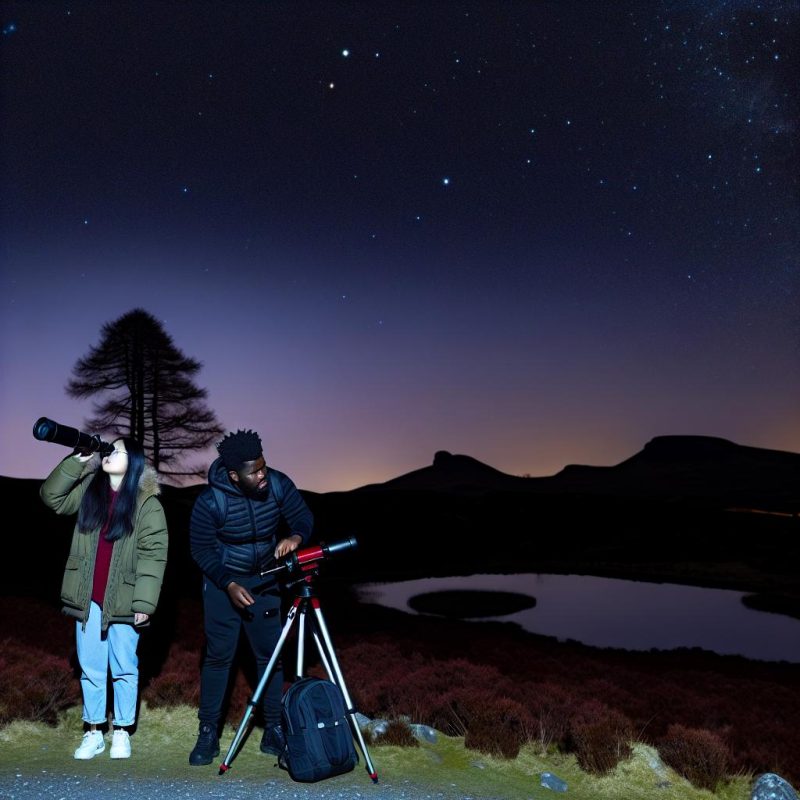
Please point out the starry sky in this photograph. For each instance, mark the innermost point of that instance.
(537, 233)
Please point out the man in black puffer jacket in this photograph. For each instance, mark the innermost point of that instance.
(233, 538)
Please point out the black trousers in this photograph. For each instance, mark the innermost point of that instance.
(223, 625)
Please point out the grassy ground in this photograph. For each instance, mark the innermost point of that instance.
(161, 745)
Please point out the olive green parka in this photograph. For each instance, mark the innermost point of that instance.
(138, 560)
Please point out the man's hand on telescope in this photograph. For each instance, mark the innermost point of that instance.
(287, 545)
(239, 596)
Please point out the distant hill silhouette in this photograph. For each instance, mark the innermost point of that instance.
(454, 473)
(697, 467)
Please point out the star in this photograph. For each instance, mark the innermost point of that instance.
(345, 53)
(446, 181)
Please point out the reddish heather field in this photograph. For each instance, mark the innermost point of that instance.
(709, 715)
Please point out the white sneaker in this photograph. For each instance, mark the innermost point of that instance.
(92, 744)
(120, 745)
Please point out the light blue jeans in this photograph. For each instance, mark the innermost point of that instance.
(116, 648)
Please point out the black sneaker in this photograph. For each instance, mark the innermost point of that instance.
(207, 747)
(273, 741)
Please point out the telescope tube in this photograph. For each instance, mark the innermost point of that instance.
(47, 430)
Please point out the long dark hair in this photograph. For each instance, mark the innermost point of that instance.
(94, 508)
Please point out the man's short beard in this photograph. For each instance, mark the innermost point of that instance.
(257, 494)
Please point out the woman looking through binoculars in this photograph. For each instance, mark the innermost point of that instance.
(112, 578)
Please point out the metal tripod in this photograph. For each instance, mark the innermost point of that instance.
(305, 597)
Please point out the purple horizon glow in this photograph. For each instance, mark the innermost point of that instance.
(370, 410)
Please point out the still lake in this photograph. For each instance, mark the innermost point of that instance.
(609, 612)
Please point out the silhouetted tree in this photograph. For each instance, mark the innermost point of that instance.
(147, 391)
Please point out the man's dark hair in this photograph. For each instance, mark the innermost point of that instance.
(236, 448)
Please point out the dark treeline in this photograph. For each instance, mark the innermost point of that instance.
(406, 534)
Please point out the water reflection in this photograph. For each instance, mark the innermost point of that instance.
(608, 612)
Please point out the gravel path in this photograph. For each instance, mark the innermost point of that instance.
(47, 786)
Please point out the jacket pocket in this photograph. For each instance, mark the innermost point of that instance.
(123, 602)
(71, 585)
(268, 605)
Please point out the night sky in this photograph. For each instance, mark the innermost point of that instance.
(536, 233)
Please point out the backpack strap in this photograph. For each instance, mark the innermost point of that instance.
(276, 486)
(220, 505)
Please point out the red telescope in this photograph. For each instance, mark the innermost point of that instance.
(305, 559)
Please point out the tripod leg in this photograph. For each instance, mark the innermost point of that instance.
(301, 638)
(253, 701)
(339, 680)
(323, 656)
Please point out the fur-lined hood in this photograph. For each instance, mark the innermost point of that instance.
(148, 483)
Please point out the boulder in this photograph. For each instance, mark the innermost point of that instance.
(770, 786)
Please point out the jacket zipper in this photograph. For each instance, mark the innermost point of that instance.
(89, 582)
(255, 534)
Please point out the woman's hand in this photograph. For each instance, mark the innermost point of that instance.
(82, 455)
(139, 618)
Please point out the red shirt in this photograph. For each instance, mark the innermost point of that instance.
(102, 562)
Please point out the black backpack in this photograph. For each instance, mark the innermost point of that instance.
(318, 739)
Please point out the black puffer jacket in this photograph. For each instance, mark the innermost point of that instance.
(244, 544)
